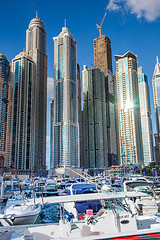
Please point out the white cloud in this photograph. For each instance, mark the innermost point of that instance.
(149, 9)
(48, 151)
(50, 87)
(113, 5)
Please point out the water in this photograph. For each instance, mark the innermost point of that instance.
(49, 214)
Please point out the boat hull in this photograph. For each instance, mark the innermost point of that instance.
(20, 219)
(24, 220)
(144, 236)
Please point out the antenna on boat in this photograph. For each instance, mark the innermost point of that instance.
(20, 187)
(32, 180)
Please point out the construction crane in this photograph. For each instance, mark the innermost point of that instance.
(99, 27)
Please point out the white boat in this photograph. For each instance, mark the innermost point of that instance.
(19, 214)
(50, 189)
(76, 210)
(148, 204)
(114, 221)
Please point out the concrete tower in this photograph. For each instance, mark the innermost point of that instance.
(36, 49)
(103, 60)
(66, 126)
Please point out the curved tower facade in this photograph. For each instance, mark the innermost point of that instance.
(23, 69)
(66, 127)
(36, 49)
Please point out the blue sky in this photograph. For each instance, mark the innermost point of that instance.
(130, 24)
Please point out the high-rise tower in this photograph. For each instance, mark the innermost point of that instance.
(36, 49)
(128, 108)
(94, 119)
(6, 91)
(23, 138)
(145, 114)
(156, 95)
(66, 126)
(51, 132)
(103, 60)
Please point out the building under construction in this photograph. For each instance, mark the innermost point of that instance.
(103, 60)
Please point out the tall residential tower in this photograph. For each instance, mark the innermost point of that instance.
(128, 109)
(23, 139)
(145, 114)
(6, 90)
(36, 49)
(94, 119)
(66, 127)
(156, 95)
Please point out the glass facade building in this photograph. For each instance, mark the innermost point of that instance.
(94, 118)
(66, 127)
(36, 49)
(128, 108)
(145, 114)
(156, 95)
(5, 110)
(51, 132)
(23, 138)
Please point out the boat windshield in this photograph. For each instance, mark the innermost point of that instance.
(116, 205)
(83, 189)
(146, 190)
(83, 186)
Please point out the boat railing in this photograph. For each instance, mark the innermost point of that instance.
(88, 177)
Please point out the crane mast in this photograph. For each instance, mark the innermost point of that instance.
(99, 27)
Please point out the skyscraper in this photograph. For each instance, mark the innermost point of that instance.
(66, 126)
(103, 60)
(36, 49)
(94, 118)
(23, 70)
(156, 95)
(80, 116)
(6, 91)
(145, 114)
(128, 107)
(51, 132)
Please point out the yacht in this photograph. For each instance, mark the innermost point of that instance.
(76, 210)
(148, 204)
(19, 214)
(50, 189)
(113, 221)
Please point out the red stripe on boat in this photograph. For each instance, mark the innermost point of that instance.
(146, 236)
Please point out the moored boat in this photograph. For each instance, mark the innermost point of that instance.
(113, 221)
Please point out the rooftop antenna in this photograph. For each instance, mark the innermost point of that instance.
(99, 27)
(65, 22)
(36, 13)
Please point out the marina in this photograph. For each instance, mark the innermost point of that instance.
(80, 124)
(85, 207)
